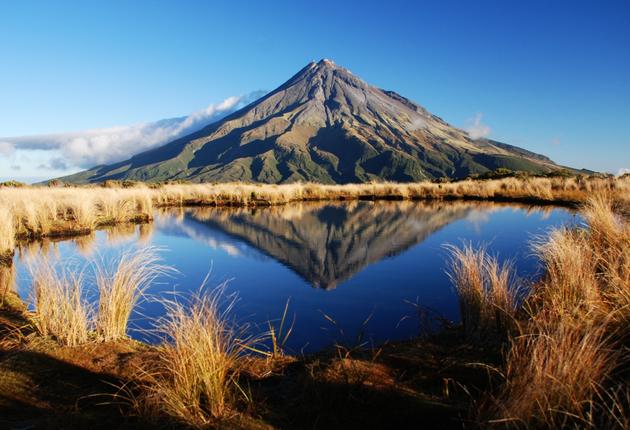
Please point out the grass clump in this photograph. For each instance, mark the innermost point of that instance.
(59, 295)
(555, 376)
(12, 184)
(280, 336)
(564, 365)
(48, 212)
(195, 378)
(121, 284)
(7, 282)
(60, 307)
(487, 292)
(7, 232)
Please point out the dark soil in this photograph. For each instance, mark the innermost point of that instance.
(424, 383)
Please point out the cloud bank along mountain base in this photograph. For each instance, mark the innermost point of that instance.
(65, 152)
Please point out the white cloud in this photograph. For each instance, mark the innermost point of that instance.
(6, 149)
(55, 163)
(477, 130)
(623, 171)
(109, 145)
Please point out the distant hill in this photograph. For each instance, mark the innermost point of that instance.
(324, 125)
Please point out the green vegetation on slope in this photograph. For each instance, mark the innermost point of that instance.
(328, 126)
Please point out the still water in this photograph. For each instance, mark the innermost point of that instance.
(341, 262)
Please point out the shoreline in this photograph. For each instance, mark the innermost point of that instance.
(66, 231)
(415, 379)
(39, 212)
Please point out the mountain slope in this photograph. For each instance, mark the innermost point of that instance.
(324, 125)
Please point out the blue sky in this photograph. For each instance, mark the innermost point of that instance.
(550, 76)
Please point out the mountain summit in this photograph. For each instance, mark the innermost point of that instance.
(324, 125)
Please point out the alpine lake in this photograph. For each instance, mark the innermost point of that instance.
(357, 272)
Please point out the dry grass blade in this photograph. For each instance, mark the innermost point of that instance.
(280, 337)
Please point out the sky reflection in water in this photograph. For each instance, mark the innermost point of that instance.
(348, 261)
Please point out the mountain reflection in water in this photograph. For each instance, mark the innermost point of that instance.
(324, 243)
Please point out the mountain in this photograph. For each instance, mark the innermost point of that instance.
(324, 125)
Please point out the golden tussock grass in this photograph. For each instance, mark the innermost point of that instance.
(33, 212)
(60, 306)
(609, 241)
(487, 291)
(539, 189)
(571, 287)
(588, 268)
(7, 230)
(121, 284)
(7, 282)
(59, 303)
(48, 211)
(561, 366)
(195, 377)
(555, 376)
